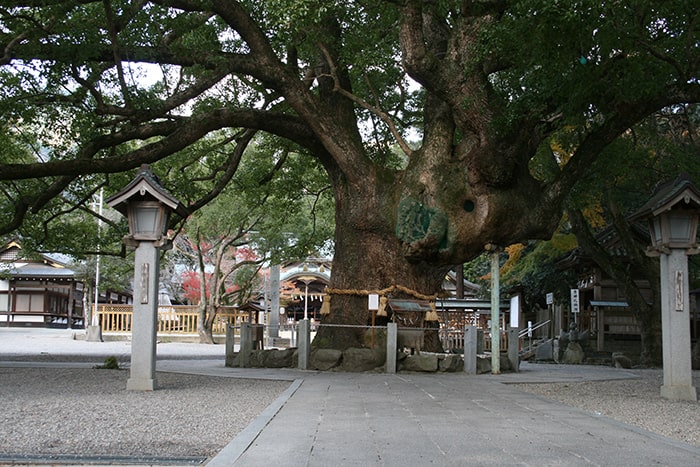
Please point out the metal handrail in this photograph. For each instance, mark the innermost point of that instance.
(524, 332)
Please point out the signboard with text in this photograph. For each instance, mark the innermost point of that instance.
(575, 307)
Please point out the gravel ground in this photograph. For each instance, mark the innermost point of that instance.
(633, 401)
(89, 412)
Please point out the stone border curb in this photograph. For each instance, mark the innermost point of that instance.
(233, 450)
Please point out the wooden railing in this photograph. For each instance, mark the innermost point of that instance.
(503, 341)
(454, 339)
(171, 319)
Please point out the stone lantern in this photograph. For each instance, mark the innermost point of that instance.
(672, 213)
(147, 206)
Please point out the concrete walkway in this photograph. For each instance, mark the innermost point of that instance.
(420, 420)
(350, 419)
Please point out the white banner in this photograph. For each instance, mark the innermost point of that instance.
(515, 311)
(373, 302)
(575, 307)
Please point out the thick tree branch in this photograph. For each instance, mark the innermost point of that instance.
(366, 105)
(21, 208)
(114, 42)
(9, 46)
(178, 135)
(418, 61)
(202, 84)
(230, 169)
(615, 124)
(35, 202)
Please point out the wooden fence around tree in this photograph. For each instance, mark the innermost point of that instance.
(174, 319)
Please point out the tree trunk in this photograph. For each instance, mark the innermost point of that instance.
(207, 315)
(648, 315)
(369, 257)
(652, 350)
(366, 263)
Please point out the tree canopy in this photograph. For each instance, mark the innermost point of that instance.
(434, 120)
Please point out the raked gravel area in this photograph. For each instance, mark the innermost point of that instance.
(59, 411)
(632, 401)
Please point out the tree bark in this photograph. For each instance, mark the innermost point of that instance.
(207, 315)
(369, 256)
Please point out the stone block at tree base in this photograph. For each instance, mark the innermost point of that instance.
(325, 359)
(483, 364)
(413, 339)
(361, 359)
(272, 358)
(427, 362)
(233, 360)
(450, 363)
(277, 358)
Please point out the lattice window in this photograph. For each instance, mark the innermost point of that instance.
(9, 255)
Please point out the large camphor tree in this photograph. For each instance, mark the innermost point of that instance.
(432, 119)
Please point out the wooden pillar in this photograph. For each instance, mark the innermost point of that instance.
(70, 305)
(13, 300)
(600, 338)
(459, 281)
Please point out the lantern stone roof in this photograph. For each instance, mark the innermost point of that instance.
(668, 195)
(145, 186)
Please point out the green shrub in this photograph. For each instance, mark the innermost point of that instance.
(110, 363)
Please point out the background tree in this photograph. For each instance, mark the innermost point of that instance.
(225, 275)
(659, 148)
(536, 273)
(274, 209)
(481, 87)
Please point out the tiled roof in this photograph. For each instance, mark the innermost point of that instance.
(36, 270)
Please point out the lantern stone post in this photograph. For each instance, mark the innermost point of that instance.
(147, 206)
(673, 218)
